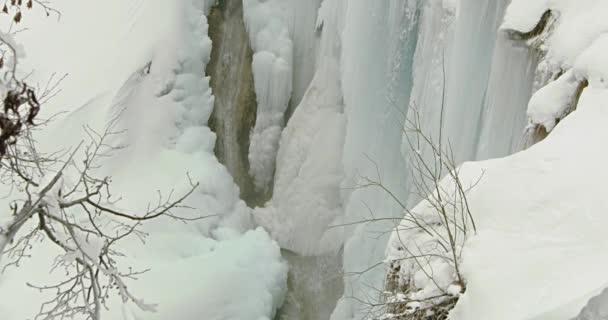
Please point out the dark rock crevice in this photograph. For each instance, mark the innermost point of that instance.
(235, 106)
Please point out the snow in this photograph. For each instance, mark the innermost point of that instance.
(539, 213)
(523, 16)
(352, 69)
(268, 28)
(561, 220)
(554, 101)
(377, 49)
(305, 17)
(150, 76)
(596, 308)
(579, 23)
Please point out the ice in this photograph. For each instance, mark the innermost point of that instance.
(378, 43)
(554, 101)
(561, 220)
(268, 28)
(344, 74)
(306, 199)
(524, 234)
(539, 212)
(523, 16)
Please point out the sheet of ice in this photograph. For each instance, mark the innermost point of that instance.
(460, 76)
(511, 83)
(204, 279)
(553, 209)
(268, 28)
(306, 199)
(557, 199)
(378, 44)
(306, 40)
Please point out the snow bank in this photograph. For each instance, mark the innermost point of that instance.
(548, 226)
(268, 29)
(554, 101)
(151, 78)
(523, 16)
(305, 16)
(235, 277)
(545, 229)
(579, 23)
(596, 309)
(554, 209)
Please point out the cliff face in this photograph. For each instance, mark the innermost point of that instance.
(231, 79)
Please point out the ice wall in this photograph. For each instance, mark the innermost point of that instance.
(231, 78)
(465, 77)
(306, 199)
(378, 42)
(479, 78)
(377, 63)
(305, 35)
(511, 84)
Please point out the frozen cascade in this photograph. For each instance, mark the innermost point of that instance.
(309, 275)
(503, 117)
(306, 100)
(358, 67)
(488, 81)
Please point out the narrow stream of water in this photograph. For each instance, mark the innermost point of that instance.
(315, 285)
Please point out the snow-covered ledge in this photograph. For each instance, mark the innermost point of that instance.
(541, 213)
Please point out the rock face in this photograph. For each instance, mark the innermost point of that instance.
(234, 110)
(596, 308)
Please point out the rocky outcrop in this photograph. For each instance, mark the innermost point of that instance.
(234, 111)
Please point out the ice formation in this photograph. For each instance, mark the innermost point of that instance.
(336, 82)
